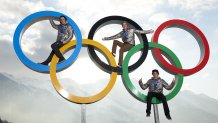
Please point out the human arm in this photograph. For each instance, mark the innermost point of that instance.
(143, 86)
(118, 35)
(53, 24)
(143, 31)
(167, 86)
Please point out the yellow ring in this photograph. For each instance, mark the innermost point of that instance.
(78, 99)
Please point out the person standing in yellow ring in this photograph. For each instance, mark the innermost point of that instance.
(128, 39)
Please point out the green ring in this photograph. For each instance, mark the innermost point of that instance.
(130, 87)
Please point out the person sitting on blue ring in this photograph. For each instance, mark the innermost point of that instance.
(65, 34)
(156, 85)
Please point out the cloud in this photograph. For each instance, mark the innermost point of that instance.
(205, 75)
(159, 17)
(216, 31)
(11, 14)
(195, 7)
(84, 67)
(7, 30)
(167, 40)
(199, 5)
(17, 10)
(6, 38)
(109, 7)
(82, 13)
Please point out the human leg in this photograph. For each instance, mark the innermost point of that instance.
(124, 48)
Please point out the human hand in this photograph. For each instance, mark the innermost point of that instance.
(150, 31)
(104, 38)
(174, 81)
(63, 42)
(140, 80)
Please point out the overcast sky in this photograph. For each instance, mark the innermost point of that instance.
(148, 14)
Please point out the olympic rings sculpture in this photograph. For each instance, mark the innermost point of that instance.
(174, 67)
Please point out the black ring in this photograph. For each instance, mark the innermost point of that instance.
(116, 20)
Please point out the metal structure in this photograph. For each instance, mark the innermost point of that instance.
(158, 50)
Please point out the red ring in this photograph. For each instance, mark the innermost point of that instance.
(205, 51)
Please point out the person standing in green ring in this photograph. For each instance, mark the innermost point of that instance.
(156, 85)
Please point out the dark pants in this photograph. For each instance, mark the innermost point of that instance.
(55, 50)
(160, 97)
(123, 48)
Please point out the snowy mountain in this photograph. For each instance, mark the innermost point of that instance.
(23, 103)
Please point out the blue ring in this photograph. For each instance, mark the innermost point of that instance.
(29, 20)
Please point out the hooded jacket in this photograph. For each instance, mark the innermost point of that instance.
(65, 31)
(156, 85)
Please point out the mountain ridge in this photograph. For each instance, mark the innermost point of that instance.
(19, 101)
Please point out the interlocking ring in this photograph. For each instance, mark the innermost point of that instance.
(78, 99)
(174, 68)
(39, 16)
(117, 20)
(194, 31)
